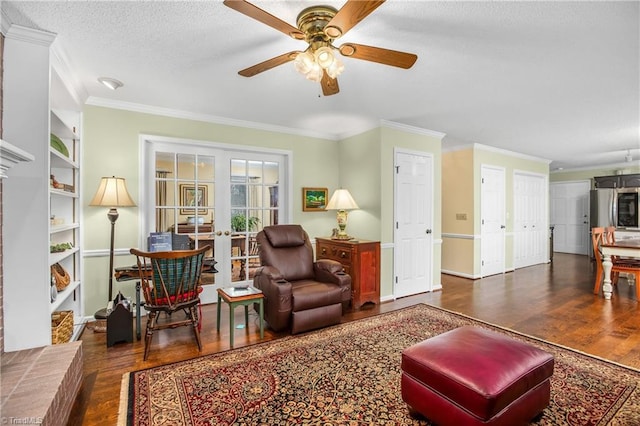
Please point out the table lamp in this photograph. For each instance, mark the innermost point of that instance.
(112, 192)
(342, 201)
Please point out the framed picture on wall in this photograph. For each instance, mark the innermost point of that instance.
(190, 198)
(314, 199)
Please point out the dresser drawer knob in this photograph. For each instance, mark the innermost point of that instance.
(343, 254)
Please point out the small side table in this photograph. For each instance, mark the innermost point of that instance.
(241, 296)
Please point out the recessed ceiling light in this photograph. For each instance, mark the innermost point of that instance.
(111, 83)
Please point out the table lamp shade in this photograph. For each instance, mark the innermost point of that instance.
(112, 192)
(342, 201)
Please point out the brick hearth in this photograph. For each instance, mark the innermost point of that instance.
(40, 385)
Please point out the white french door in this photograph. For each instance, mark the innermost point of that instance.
(216, 196)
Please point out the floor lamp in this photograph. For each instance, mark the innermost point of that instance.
(112, 192)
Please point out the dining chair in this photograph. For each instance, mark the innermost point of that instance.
(599, 236)
(170, 282)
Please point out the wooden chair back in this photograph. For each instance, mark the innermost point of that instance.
(170, 278)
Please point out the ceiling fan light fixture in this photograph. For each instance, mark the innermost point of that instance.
(304, 63)
(336, 68)
(324, 56)
(315, 74)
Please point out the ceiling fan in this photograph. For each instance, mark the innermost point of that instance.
(319, 26)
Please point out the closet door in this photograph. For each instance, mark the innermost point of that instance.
(530, 225)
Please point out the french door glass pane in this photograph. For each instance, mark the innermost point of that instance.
(184, 200)
(254, 204)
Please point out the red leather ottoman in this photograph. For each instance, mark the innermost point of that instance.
(474, 376)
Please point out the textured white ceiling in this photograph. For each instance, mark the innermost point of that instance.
(555, 80)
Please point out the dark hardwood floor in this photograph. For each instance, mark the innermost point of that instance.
(553, 301)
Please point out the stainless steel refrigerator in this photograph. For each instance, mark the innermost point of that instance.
(615, 207)
(602, 208)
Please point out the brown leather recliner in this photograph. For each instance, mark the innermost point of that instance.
(298, 292)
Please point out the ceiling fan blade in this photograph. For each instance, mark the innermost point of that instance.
(329, 85)
(349, 15)
(379, 55)
(268, 64)
(266, 18)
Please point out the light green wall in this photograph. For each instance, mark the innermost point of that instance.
(511, 163)
(110, 146)
(362, 163)
(390, 139)
(360, 174)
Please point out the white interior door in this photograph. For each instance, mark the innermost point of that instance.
(530, 224)
(492, 222)
(413, 238)
(570, 216)
(221, 198)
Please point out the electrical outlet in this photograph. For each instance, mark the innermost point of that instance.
(461, 216)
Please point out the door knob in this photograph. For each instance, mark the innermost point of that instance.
(218, 233)
(227, 233)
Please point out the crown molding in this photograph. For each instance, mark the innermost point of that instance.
(412, 129)
(61, 64)
(30, 35)
(479, 146)
(174, 113)
(622, 165)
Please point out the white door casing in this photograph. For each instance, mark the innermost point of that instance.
(530, 223)
(492, 220)
(224, 160)
(413, 236)
(570, 216)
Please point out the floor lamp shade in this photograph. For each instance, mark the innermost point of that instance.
(342, 201)
(112, 192)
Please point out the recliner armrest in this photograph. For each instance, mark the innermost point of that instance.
(270, 272)
(331, 271)
(277, 293)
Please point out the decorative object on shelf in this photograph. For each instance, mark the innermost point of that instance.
(56, 220)
(112, 192)
(58, 145)
(54, 290)
(342, 201)
(60, 276)
(61, 327)
(59, 248)
(314, 199)
(54, 183)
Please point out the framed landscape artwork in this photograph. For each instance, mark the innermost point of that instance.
(190, 198)
(314, 199)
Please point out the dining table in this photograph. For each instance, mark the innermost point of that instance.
(626, 247)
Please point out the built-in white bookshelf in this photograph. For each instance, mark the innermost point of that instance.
(36, 215)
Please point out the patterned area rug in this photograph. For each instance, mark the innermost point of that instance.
(350, 374)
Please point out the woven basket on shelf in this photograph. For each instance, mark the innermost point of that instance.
(61, 326)
(60, 276)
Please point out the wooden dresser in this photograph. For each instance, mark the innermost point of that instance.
(361, 260)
